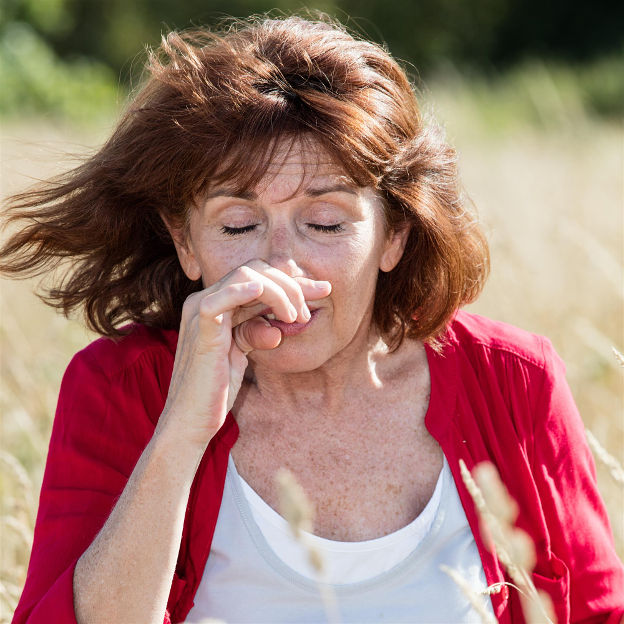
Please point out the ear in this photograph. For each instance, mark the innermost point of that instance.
(184, 249)
(393, 249)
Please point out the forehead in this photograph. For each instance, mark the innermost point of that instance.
(300, 154)
(288, 167)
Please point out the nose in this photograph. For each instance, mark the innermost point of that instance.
(281, 251)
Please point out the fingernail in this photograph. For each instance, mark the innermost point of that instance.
(293, 311)
(305, 313)
(322, 285)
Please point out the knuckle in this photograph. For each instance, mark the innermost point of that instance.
(298, 292)
(241, 336)
(189, 306)
(208, 320)
(232, 289)
(190, 300)
(244, 273)
(205, 312)
(205, 307)
(293, 289)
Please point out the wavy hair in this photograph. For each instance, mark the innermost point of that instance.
(212, 109)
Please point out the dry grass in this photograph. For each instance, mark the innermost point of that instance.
(298, 510)
(552, 204)
(514, 548)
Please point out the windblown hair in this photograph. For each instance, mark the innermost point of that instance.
(212, 110)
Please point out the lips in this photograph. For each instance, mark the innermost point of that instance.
(269, 315)
(289, 329)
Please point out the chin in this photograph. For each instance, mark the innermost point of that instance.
(290, 358)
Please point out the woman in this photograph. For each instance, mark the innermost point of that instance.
(273, 194)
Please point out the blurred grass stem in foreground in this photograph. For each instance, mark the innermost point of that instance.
(513, 547)
(298, 511)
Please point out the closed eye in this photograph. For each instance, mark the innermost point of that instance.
(336, 227)
(233, 231)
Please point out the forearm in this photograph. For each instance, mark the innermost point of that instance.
(126, 573)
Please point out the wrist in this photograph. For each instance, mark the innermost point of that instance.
(183, 453)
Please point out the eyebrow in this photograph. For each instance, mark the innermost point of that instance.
(325, 190)
(310, 192)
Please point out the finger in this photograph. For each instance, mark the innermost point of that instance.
(257, 333)
(277, 291)
(273, 295)
(288, 284)
(299, 290)
(213, 307)
(313, 289)
(238, 365)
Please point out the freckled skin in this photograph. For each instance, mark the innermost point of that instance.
(333, 391)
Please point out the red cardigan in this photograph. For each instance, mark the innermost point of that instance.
(497, 394)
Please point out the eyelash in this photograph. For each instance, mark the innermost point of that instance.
(337, 227)
(234, 231)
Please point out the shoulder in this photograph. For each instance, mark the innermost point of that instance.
(497, 355)
(476, 336)
(127, 375)
(139, 347)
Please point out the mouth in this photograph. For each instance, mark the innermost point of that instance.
(289, 329)
(269, 315)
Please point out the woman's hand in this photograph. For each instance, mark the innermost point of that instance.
(220, 326)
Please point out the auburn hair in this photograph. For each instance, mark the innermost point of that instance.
(212, 109)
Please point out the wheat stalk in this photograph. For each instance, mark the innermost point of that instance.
(514, 548)
(299, 513)
(9, 595)
(601, 454)
(23, 532)
(475, 599)
(20, 475)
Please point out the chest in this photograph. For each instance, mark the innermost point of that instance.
(367, 473)
(265, 564)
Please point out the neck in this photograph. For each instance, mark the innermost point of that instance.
(341, 383)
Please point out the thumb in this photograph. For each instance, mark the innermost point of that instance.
(256, 333)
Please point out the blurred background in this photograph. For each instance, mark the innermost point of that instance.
(531, 93)
(76, 58)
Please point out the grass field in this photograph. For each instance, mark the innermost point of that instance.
(551, 198)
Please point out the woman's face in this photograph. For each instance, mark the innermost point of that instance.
(306, 219)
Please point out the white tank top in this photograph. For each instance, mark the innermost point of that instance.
(344, 562)
(257, 573)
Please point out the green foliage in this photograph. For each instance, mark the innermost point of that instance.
(75, 58)
(53, 17)
(33, 80)
(603, 86)
(488, 34)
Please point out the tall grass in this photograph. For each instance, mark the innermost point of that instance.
(514, 548)
(551, 199)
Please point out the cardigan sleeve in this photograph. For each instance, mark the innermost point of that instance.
(101, 427)
(581, 538)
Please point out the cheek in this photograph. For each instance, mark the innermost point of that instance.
(360, 260)
(353, 272)
(340, 263)
(221, 260)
